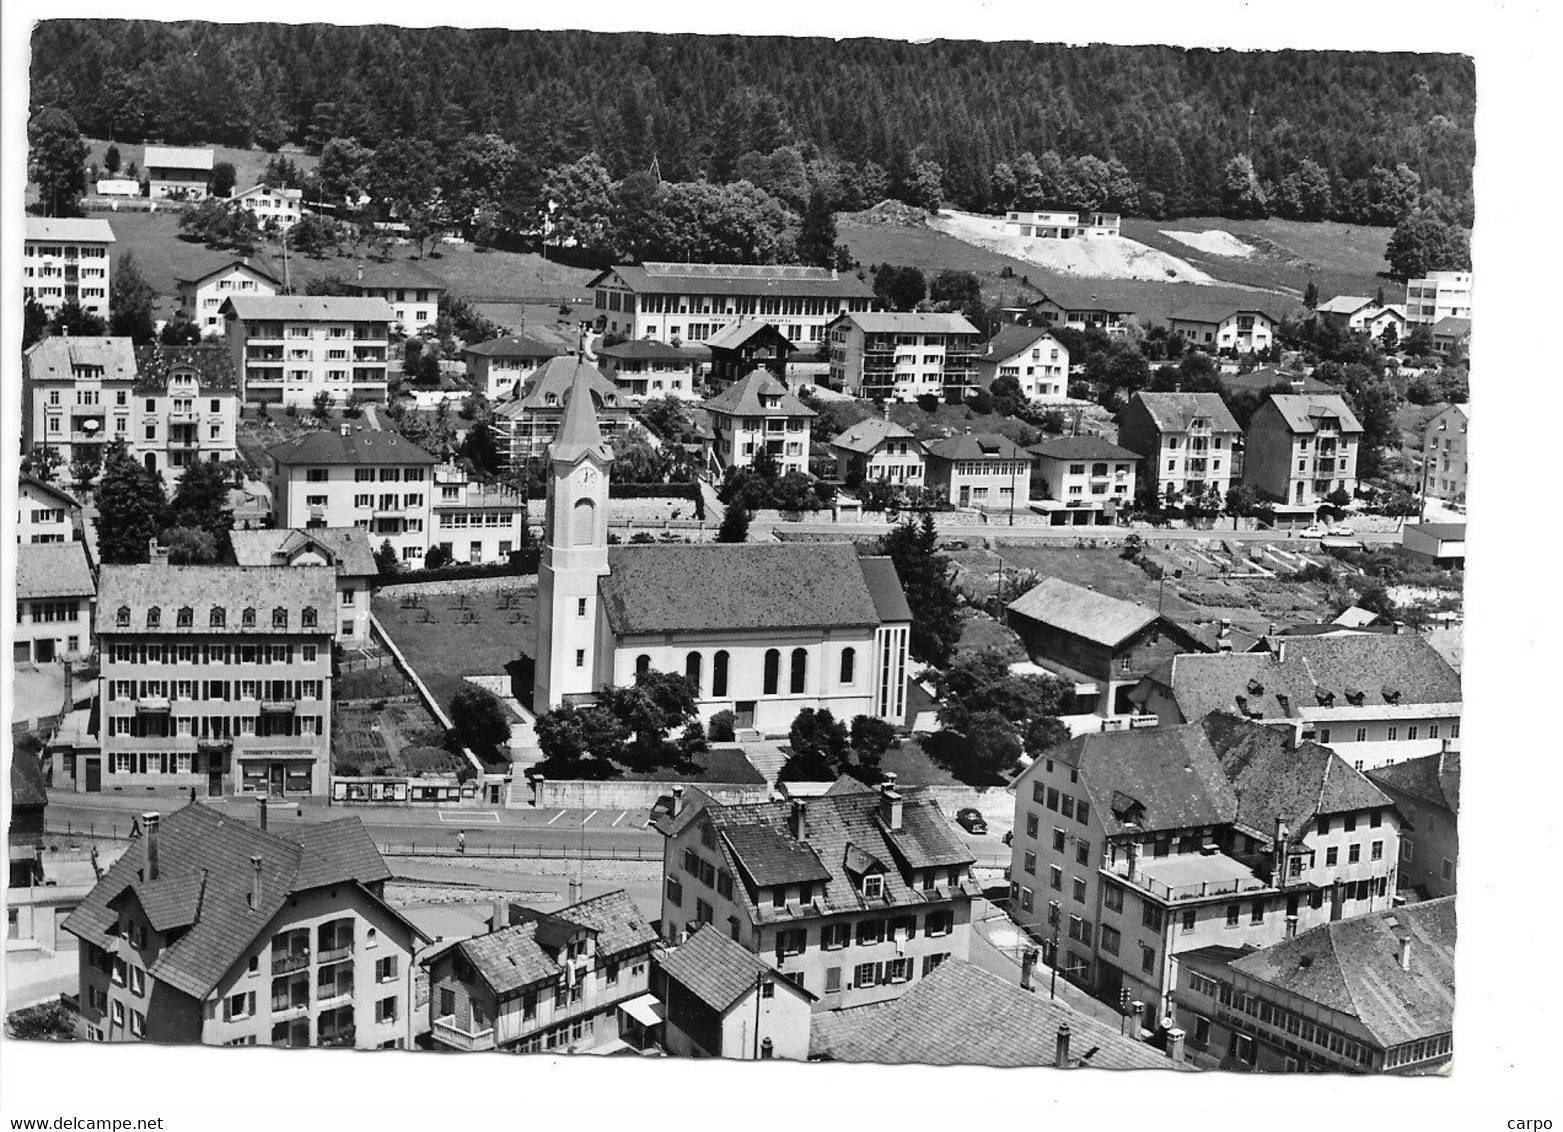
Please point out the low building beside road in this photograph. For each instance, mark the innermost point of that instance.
(722, 1000)
(878, 449)
(55, 591)
(1442, 543)
(984, 471)
(1085, 480)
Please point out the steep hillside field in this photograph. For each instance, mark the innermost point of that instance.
(249, 165)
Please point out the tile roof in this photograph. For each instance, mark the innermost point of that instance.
(1451, 327)
(1152, 778)
(977, 446)
(616, 919)
(510, 959)
(743, 398)
(1339, 665)
(1431, 779)
(962, 1015)
(733, 587)
(69, 230)
(738, 334)
(884, 586)
(1302, 411)
(1353, 966)
(1344, 304)
(348, 548)
(867, 435)
(717, 970)
(1171, 412)
(737, 279)
(1080, 448)
(360, 446)
(202, 588)
(1445, 532)
(911, 322)
(309, 308)
(550, 385)
(652, 350)
(53, 569)
(758, 847)
(27, 782)
(177, 157)
(1258, 380)
(201, 841)
(1213, 310)
(1084, 613)
(221, 265)
(31, 483)
(517, 346)
(54, 358)
(1012, 340)
(212, 365)
(397, 273)
(526, 953)
(171, 901)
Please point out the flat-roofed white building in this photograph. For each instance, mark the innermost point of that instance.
(1061, 225)
(290, 348)
(1438, 295)
(900, 356)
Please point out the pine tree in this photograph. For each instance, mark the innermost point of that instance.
(817, 236)
(735, 525)
(131, 508)
(132, 302)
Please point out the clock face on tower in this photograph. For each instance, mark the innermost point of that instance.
(588, 476)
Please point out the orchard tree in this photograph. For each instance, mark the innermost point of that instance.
(111, 159)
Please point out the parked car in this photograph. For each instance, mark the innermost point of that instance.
(1315, 531)
(971, 819)
(953, 544)
(1342, 532)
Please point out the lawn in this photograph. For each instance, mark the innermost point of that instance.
(979, 632)
(933, 252)
(445, 640)
(249, 165)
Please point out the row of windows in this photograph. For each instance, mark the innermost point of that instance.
(1302, 1028)
(155, 652)
(217, 618)
(1065, 804)
(216, 689)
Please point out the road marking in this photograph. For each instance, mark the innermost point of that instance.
(469, 817)
(623, 814)
(556, 817)
(588, 817)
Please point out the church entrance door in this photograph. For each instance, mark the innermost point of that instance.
(743, 714)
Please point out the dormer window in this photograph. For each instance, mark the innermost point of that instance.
(154, 617)
(551, 399)
(873, 887)
(219, 617)
(247, 618)
(279, 618)
(122, 616)
(309, 618)
(185, 617)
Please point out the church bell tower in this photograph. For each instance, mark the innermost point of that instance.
(574, 554)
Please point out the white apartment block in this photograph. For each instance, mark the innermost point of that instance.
(1439, 294)
(475, 522)
(79, 395)
(1061, 225)
(289, 349)
(201, 297)
(1032, 356)
(1185, 439)
(279, 208)
(897, 356)
(65, 259)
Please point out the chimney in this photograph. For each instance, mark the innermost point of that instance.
(1061, 1056)
(360, 273)
(798, 820)
(1136, 1013)
(1405, 953)
(262, 801)
(1291, 927)
(575, 892)
(890, 804)
(1028, 964)
(1175, 1043)
(156, 555)
(149, 831)
(255, 883)
(346, 429)
(678, 800)
(1278, 850)
(497, 920)
(1280, 653)
(1273, 628)
(1337, 898)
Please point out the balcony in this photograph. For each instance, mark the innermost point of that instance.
(279, 707)
(152, 705)
(263, 354)
(184, 442)
(389, 511)
(1188, 876)
(447, 1032)
(285, 1007)
(335, 954)
(289, 962)
(368, 354)
(182, 417)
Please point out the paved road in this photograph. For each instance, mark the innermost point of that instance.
(998, 529)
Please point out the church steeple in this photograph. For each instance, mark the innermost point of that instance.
(579, 433)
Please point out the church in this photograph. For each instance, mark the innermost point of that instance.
(763, 630)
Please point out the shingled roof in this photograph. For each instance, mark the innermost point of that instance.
(717, 970)
(1172, 412)
(1011, 340)
(1433, 780)
(232, 589)
(309, 308)
(53, 569)
(549, 387)
(1081, 448)
(517, 346)
(356, 446)
(1302, 412)
(962, 1015)
(347, 548)
(747, 397)
(27, 783)
(910, 322)
(867, 435)
(977, 446)
(736, 279)
(56, 358)
(202, 892)
(1084, 613)
(1353, 966)
(69, 229)
(212, 365)
(722, 587)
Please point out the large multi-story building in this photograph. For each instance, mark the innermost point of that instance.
(215, 679)
(46, 513)
(177, 172)
(1302, 448)
(758, 413)
(645, 370)
(273, 208)
(1438, 295)
(65, 260)
(1220, 327)
(853, 895)
(572, 981)
(1085, 480)
(78, 395)
(982, 470)
(201, 296)
(291, 348)
(1032, 356)
(689, 302)
(54, 596)
(1376, 698)
(526, 422)
(412, 293)
(1134, 846)
(1427, 791)
(498, 366)
(475, 522)
(1445, 458)
(212, 930)
(1369, 995)
(378, 481)
(347, 550)
(900, 356)
(878, 449)
(185, 408)
(1061, 225)
(1187, 441)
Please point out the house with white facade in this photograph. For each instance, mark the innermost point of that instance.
(1187, 440)
(985, 471)
(201, 296)
(878, 449)
(1085, 480)
(1032, 356)
(498, 366)
(1061, 225)
(1218, 327)
(412, 292)
(288, 349)
(1439, 295)
(1074, 306)
(66, 259)
(900, 356)
(184, 408)
(475, 522)
(757, 412)
(276, 208)
(55, 592)
(78, 395)
(46, 512)
(645, 369)
(347, 550)
(723, 1000)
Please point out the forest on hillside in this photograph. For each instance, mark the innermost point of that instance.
(1356, 136)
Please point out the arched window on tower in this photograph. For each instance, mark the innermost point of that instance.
(692, 671)
(719, 674)
(642, 665)
(772, 671)
(583, 523)
(848, 665)
(800, 669)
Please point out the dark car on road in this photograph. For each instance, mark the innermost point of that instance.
(971, 819)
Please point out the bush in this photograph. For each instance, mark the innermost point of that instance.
(722, 728)
(981, 402)
(871, 737)
(928, 402)
(479, 718)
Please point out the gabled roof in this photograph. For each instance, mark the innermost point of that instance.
(69, 230)
(1432, 780)
(397, 273)
(54, 358)
(649, 349)
(867, 435)
(769, 856)
(744, 586)
(1213, 311)
(743, 398)
(37, 486)
(200, 841)
(309, 308)
(1302, 412)
(348, 549)
(177, 157)
(1172, 412)
(169, 588)
(1344, 304)
(1258, 380)
(717, 970)
(221, 265)
(736, 335)
(264, 189)
(212, 365)
(884, 586)
(27, 782)
(1084, 613)
(517, 346)
(548, 388)
(736, 279)
(1444, 532)
(619, 925)
(1452, 327)
(1080, 448)
(977, 446)
(360, 446)
(962, 1015)
(1353, 967)
(910, 322)
(1012, 340)
(1316, 671)
(53, 569)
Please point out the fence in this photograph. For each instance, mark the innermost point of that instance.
(92, 831)
(517, 850)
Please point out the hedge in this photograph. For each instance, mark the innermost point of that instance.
(689, 491)
(522, 563)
